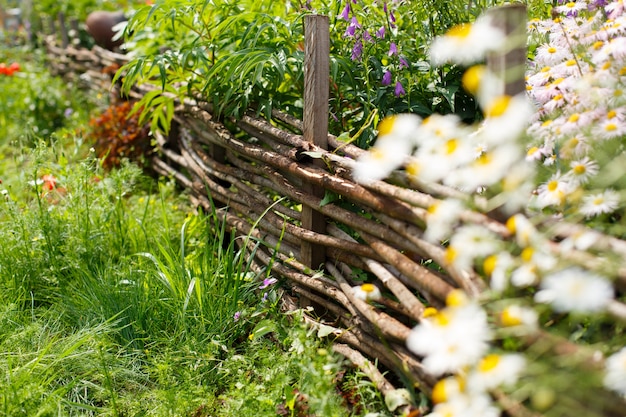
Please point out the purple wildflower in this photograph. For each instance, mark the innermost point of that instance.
(350, 30)
(393, 49)
(357, 50)
(386, 78)
(345, 14)
(264, 299)
(68, 112)
(237, 316)
(399, 89)
(367, 37)
(268, 282)
(403, 63)
(380, 33)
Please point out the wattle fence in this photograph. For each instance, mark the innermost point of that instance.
(287, 183)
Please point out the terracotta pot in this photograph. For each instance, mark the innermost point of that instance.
(100, 26)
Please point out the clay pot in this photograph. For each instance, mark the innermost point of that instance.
(100, 26)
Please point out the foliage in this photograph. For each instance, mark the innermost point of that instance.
(250, 55)
(117, 134)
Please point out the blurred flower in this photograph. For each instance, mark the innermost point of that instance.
(237, 316)
(615, 377)
(380, 33)
(440, 218)
(366, 292)
(268, 282)
(357, 50)
(386, 78)
(394, 144)
(393, 49)
(516, 315)
(49, 182)
(448, 388)
(466, 406)
(575, 289)
(345, 14)
(596, 204)
(399, 90)
(467, 43)
(451, 339)
(495, 370)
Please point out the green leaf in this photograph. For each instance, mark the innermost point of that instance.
(262, 328)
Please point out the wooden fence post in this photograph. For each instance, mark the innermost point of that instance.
(510, 66)
(315, 127)
(65, 40)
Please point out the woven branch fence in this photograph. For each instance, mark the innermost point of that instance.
(273, 184)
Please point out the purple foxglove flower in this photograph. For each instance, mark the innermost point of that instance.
(355, 22)
(403, 63)
(380, 33)
(386, 78)
(393, 49)
(268, 282)
(399, 89)
(345, 14)
(357, 50)
(367, 37)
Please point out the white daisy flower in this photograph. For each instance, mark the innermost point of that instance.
(555, 191)
(453, 338)
(466, 406)
(516, 315)
(582, 170)
(506, 118)
(470, 242)
(575, 289)
(498, 268)
(615, 377)
(467, 43)
(596, 204)
(448, 388)
(392, 148)
(366, 292)
(440, 218)
(495, 370)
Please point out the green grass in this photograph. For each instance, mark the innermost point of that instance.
(118, 298)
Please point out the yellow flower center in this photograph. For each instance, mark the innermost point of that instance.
(574, 118)
(439, 392)
(413, 169)
(610, 127)
(598, 201)
(441, 319)
(385, 126)
(532, 151)
(597, 45)
(611, 114)
(499, 106)
(552, 50)
(368, 288)
(489, 363)
(546, 69)
(377, 154)
(429, 312)
(570, 62)
(460, 31)
(527, 254)
(509, 319)
(451, 146)
(510, 224)
(579, 169)
(484, 159)
(552, 185)
(570, 5)
(472, 77)
(489, 264)
(617, 92)
(450, 254)
(456, 298)
(606, 66)
(546, 123)
(432, 209)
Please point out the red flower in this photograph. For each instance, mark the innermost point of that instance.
(49, 182)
